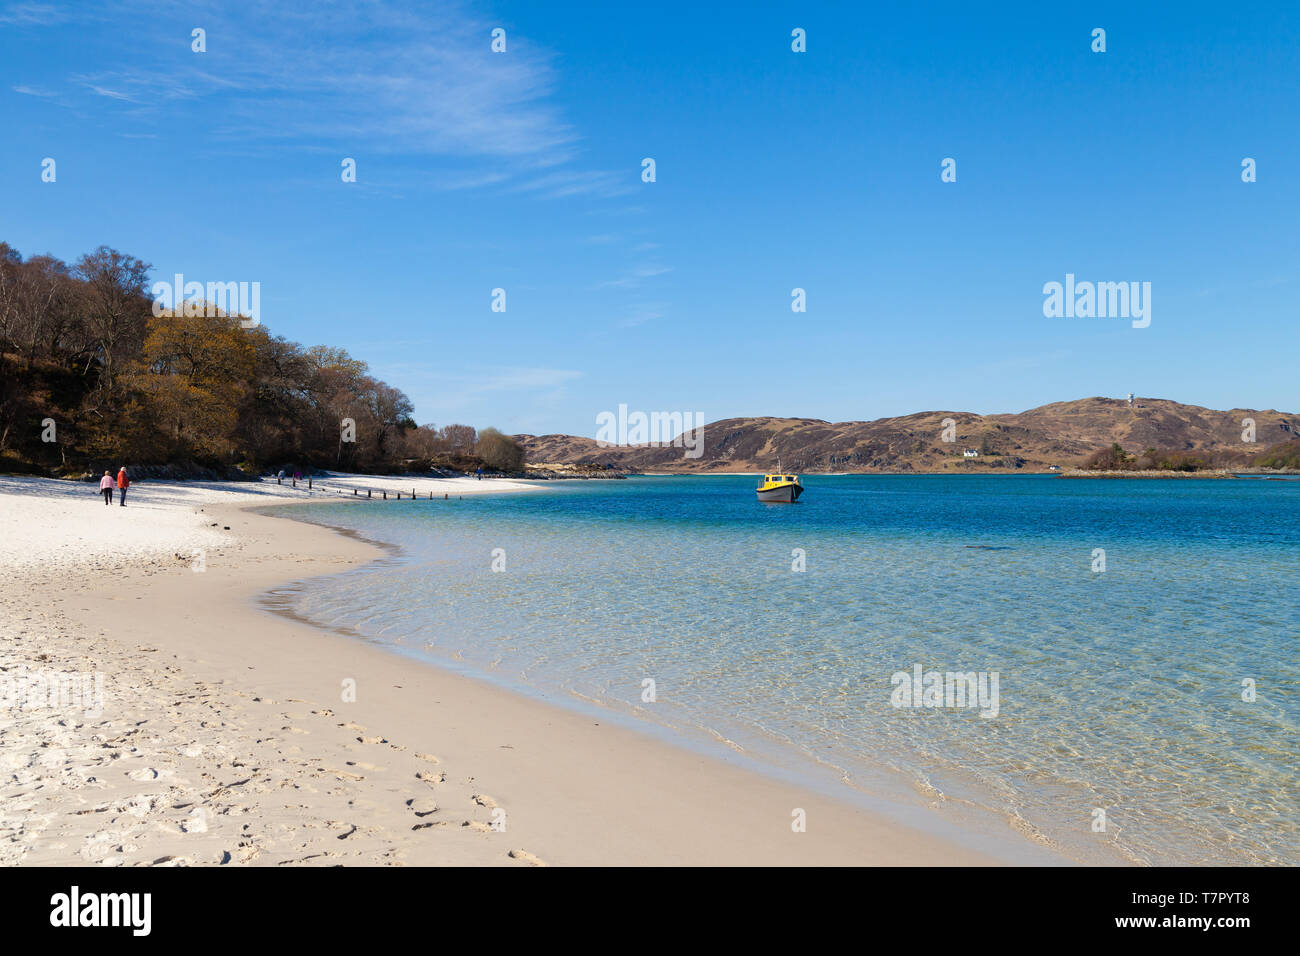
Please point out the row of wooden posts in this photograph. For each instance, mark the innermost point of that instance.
(369, 491)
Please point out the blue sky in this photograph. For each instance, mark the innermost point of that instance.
(775, 170)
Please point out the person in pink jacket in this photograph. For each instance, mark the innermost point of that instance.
(106, 487)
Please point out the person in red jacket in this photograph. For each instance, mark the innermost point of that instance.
(123, 483)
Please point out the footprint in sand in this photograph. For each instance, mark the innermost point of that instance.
(364, 766)
(342, 774)
(524, 856)
(429, 757)
(483, 800)
(421, 806)
(351, 726)
(477, 826)
(430, 777)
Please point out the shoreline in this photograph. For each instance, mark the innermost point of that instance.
(881, 791)
(1212, 474)
(1009, 849)
(416, 770)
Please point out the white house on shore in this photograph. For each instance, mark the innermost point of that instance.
(969, 453)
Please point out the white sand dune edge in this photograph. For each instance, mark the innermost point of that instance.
(225, 735)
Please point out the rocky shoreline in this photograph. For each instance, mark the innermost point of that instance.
(1209, 473)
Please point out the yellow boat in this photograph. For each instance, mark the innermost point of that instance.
(781, 487)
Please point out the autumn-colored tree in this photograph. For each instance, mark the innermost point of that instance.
(194, 373)
(499, 451)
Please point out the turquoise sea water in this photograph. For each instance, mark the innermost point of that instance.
(1118, 690)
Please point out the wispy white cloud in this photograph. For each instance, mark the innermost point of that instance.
(470, 180)
(634, 278)
(370, 77)
(641, 314)
(504, 379)
(34, 14)
(377, 77)
(148, 89)
(565, 183)
(112, 94)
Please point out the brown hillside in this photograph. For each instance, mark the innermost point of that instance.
(1063, 433)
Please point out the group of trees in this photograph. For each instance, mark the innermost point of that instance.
(80, 347)
(1285, 455)
(1282, 455)
(1115, 458)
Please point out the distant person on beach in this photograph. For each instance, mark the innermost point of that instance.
(123, 483)
(106, 487)
(480, 472)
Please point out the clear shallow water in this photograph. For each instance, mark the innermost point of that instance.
(1119, 690)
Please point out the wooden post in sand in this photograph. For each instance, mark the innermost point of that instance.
(295, 482)
(385, 496)
(354, 492)
(309, 483)
(368, 490)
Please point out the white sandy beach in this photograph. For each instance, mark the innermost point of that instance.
(226, 735)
